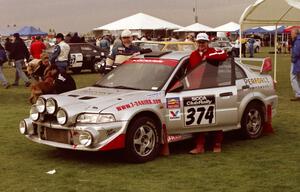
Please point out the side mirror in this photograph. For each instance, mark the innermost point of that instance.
(177, 87)
(266, 66)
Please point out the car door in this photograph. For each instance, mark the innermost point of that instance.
(207, 101)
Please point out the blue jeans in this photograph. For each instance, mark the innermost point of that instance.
(295, 82)
(2, 77)
(19, 72)
(62, 66)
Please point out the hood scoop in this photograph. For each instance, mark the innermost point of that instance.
(87, 98)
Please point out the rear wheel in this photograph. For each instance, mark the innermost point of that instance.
(142, 140)
(253, 121)
(76, 70)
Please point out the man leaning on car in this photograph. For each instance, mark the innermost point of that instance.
(196, 58)
(126, 48)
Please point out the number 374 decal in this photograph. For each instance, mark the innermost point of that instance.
(199, 110)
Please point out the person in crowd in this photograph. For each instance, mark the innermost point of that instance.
(60, 56)
(37, 47)
(126, 47)
(251, 45)
(243, 43)
(19, 52)
(189, 38)
(68, 38)
(295, 66)
(104, 43)
(7, 47)
(3, 59)
(174, 38)
(204, 52)
(75, 38)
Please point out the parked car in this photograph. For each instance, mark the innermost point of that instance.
(166, 45)
(150, 100)
(84, 56)
(222, 45)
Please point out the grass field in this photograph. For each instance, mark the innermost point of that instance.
(268, 164)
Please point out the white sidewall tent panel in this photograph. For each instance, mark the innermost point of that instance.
(271, 13)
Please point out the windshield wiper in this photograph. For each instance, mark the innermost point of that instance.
(125, 87)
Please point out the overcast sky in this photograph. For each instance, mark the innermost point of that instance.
(84, 15)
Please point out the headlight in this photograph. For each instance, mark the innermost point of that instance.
(51, 106)
(62, 117)
(41, 105)
(23, 127)
(85, 138)
(34, 114)
(95, 118)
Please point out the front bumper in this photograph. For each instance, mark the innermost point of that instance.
(106, 136)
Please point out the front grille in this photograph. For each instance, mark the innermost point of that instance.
(57, 135)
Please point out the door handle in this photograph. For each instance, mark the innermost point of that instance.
(226, 94)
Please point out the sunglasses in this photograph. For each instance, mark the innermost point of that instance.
(125, 37)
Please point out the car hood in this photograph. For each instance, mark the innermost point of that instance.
(95, 99)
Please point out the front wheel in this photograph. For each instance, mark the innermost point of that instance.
(142, 140)
(253, 121)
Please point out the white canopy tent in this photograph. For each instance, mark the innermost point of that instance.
(228, 27)
(139, 21)
(196, 27)
(271, 12)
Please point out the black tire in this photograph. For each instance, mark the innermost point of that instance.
(139, 147)
(76, 70)
(253, 121)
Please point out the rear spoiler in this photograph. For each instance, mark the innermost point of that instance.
(266, 64)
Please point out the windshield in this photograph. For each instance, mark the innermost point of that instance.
(138, 76)
(152, 46)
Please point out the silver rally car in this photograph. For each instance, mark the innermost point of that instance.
(150, 100)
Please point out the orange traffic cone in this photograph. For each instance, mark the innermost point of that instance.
(165, 147)
(200, 140)
(268, 124)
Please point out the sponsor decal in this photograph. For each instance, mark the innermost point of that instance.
(199, 110)
(259, 82)
(174, 138)
(173, 103)
(174, 114)
(138, 103)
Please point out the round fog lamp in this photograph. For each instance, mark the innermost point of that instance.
(23, 127)
(51, 106)
(40, 105)
(85, 138)
(34, 114)
(61, 117)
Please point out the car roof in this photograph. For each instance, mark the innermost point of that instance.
(174, 55)
(165, 42)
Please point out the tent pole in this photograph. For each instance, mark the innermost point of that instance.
(240, 39)
(275, 56)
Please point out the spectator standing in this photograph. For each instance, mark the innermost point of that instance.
(104, 43)
(295, 66)
(75, 38)
(8, 46)
(60, 56)
(251, 46)
(37, 47)
(3, 59)
(19, 52)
